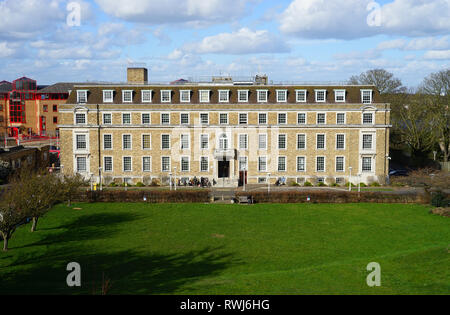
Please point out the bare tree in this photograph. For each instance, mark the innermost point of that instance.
(385, 81)
(69, 186)
(437, 88)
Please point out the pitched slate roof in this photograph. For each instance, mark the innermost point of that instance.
(58, 88)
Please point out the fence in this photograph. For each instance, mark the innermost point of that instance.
(445, 166)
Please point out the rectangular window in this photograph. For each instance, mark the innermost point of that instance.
(367, 164)
(262, 164)
(108, 163)
(81, 142)
(107, 119)
(185, 96)
(126, 142)
(301, 142)
(165, 119)
(224, 96)
(367, 142)
(243, 119)
(55, 119)
(81, 97)
(80, 119)
(243, 142)
(340, 164)
(301, 96)
(126, 119)
(146, 164)
(281, 164)
(281, 96)
(107, 142)
(366, 96)
(184, 142)
(165, 164)
(321, 119)
(320, 141)
(204, 96)
(340, 118)
(185, 164)
(146, 96)
(340, 141)
(204, 164)
(127, 166)
(368, 118)
(127, 96)
(339, 96)
(282, 142)
(184, 119)
(204, 118)
(262, 96)
(321, 96)
(243, 163)
(55, 108)
(301, 118)
(262, 142)
(282, 118)
(320, 165)
(301, 164)
(243, 95)
(165, 142)
(45, 108)
(145, 118)
(223, 117)
(204, 142)
(146, 142)
(166, 96)
(81, 164)
(108, 96)
(262, 118)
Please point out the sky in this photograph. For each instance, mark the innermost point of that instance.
(289, 40)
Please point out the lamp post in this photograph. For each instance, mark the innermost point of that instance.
(100, 179)
(268, 183)
(388, 176)
(170, 181)
(359, 183)
(245, 169)
(350, 179)
(175, 177)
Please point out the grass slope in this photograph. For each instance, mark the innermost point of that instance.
(231, 249)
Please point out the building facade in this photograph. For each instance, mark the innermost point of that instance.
(226, 131)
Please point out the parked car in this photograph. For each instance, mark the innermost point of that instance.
(398, 173)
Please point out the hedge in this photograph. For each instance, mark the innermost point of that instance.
(335, 197)
(157, 196)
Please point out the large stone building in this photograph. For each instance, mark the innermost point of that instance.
(225, 130)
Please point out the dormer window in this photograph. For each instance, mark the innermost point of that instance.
(82, 96)
(204, 96)
(185, 96)
(281, 96)
(146, 96)
(224, 96)
(243, 95)
(262, 96)
(339, 96)
(321, 96)
(108, 96)
(166, 96)
(127, 96)
(301, 96)
(366, 96)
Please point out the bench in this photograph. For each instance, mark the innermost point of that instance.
(245, 199)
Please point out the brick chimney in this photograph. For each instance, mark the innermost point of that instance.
(137, 75)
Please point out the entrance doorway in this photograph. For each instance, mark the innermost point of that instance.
(224, 169)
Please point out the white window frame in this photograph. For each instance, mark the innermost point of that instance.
(372, 142)
(149, 118)
(188, 92)
(306, 144)
(75, 119)
(337, 118)
(285, 163)
(325, 119)
(123, 96)
(162, 96)
(285, 96)
(131, 119)
(123, 164)
(267, 119)
(285, 141)
(371, 96)
(372, 164)
(200, 164)
(86, 141)
(150, 140)
(324, 164)
(244, 135)
(104, 164)
(201, 120)
(336, 164)
(123, 142)
(296, 160)
(306, 118)
(143, 100)
(368, 113)
(297, 93)
(76, 164)
(201, 142)
(85, 96)
(188, 117)
(338, 93)
(259, 164)
(103, 118)
(317, 93)
(183, 138)
(162, 164)
(261, 100)
(143, 164)
(181, 164)
(324, 141)
(108, 100)
(220, 119)
(162, 121)
(239, 96)
(246, 119)
(112, 142)
(266, 141)
(278, 118)
(200, 94)
(345, 141)
(162, 142)
(228, 96)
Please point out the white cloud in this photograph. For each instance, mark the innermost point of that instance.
(175, 11)
(6, 50)
(437, 55)
(347, 19)
(243, 41)
(425, 43)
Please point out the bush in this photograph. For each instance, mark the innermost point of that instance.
(322, 184)
(155, 182)
(307, 184)
(375, 184)
(113, 184)
(139, 184)
(157, 196)
(294, 184)
(363, 185)
(439, 200)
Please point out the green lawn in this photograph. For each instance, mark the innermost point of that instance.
(232, 249)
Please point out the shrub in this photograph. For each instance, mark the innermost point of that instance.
(375, 184)
(322, 184)
(156, 196)
(363, 185)
(307, 184)
(139, 184)
(439, 200)
(155, 182)
(294, 184)
(113, 184)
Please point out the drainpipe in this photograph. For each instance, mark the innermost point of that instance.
(99, 147)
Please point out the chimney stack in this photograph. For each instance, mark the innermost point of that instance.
(137, 75)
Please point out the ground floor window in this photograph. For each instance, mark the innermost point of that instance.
(185, 164)
(165, 164)
(282, 164)
(127, 166)
(262, 164)
(367, 164)
(320, 167)
(108, 163)
(146, 164)
(301, 165)
(204, 164)
(81, 164)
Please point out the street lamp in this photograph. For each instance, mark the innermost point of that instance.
(175, 177)
(388, 176)
(359, 183)
(350, 179)
(245, 170)
(100, 179)
(268, 183)
(170, 181)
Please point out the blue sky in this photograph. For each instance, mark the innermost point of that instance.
(289, 40)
